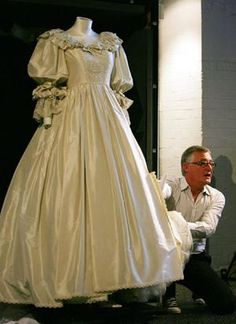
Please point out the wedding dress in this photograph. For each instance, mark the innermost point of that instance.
(83, 217)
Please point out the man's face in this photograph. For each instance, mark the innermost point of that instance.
(199, 174)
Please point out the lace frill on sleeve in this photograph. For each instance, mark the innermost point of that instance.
(122, 80)
(48, 68)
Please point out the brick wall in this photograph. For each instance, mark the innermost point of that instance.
(180, 85)
(197, 98)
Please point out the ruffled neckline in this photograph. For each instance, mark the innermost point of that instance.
(106, 41)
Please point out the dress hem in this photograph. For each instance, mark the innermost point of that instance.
(59, 302)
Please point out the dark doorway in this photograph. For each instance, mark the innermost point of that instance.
(22, 21)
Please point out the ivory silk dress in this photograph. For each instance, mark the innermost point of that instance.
(82, 217)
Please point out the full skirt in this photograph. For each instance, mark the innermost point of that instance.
(83, 217)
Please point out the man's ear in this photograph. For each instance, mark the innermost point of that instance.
(185, 167)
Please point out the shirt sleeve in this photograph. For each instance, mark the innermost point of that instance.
(47, 66)
(208, 222)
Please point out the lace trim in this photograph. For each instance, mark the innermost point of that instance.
(49, 99)
(59, 302)
(106, 41)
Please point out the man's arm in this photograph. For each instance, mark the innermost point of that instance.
(207, 224)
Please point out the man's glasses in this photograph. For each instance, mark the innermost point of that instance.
(204, 164)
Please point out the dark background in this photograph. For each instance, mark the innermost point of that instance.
(134, 21)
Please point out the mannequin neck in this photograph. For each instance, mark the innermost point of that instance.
(82, 28)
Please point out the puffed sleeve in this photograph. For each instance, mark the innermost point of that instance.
(121, 80)
(47, 66)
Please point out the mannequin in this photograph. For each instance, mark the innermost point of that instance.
(82, 28)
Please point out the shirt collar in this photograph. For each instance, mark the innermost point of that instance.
(184, 186)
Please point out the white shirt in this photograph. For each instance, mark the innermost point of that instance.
(202, 215)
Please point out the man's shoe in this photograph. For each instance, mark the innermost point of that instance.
(199, 301)
(171, 306)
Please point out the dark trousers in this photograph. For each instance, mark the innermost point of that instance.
(203, 281)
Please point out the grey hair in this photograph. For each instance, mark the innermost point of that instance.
(189, 151)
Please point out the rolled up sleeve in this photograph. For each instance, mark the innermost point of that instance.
(207, 224)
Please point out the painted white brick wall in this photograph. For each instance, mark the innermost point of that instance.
(180, 88)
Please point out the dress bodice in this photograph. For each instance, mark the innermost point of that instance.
(59, 56)
(85, 66)
(60, 59)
